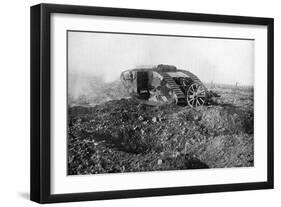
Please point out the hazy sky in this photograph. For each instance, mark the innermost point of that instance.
(107, 55)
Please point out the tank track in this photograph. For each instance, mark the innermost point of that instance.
(194, 78)
(181, 99)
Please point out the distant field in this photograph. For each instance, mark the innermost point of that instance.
(229, 86)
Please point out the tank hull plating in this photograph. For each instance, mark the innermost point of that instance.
(164, 84)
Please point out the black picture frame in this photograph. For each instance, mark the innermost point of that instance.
(41, 96)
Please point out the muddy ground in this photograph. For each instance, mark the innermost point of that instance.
(126, 136)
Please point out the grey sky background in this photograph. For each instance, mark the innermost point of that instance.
(107, 55)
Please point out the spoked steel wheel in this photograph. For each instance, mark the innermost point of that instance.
(195, 95)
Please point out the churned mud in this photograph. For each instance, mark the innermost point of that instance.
(127, 136)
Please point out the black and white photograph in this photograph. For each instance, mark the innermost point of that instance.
(157, 102)
(142, 102)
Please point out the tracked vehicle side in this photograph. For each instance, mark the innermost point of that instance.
(164, 84)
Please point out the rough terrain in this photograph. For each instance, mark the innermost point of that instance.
(122, 135)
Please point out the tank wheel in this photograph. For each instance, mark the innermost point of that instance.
(195, 95)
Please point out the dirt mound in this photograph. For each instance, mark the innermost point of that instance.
(126, 136)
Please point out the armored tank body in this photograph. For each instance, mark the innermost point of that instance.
(164, 84)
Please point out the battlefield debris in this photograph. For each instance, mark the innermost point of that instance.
(117, 133)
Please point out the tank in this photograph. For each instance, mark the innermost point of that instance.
(164, 84)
